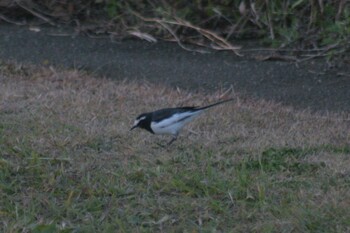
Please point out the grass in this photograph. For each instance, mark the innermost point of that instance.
(69, 164)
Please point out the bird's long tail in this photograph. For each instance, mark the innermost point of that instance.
(212, 105)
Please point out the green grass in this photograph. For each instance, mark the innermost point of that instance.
(69, 164)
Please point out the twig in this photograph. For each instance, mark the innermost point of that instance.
(282, 50)
(221, 42)
(343, 74)
(313, 53)
(11, 21)
(340, 9)
(225, 45)
(55, 159)
(178, 39)
(276, 57)
(323, 53)
(230, 89)
(269, 21)
(18, 2)
(316, 72)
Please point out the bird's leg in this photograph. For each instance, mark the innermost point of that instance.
(173, 139)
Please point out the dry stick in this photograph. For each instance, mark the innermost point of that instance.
(276, 57)
(321, 54)
(168, 29)
(320, 3)
(177, 38)
(284, 50)
(241, 21)
(11, 21)
(340, 9)
(269, 21)
(18, 2)
(343, 74)
(224, 45)
(230, 89)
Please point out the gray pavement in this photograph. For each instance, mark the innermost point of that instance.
(301, 86)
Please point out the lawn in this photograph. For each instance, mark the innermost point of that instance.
(68, 162)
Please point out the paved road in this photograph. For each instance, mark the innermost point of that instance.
(283, 82)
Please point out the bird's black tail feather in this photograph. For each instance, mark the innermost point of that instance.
(212, 105)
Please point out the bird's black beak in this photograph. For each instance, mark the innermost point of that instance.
(135, 126)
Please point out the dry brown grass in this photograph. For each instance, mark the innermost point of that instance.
(102, 106)
(67, 116)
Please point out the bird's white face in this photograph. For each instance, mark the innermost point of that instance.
(137, 121)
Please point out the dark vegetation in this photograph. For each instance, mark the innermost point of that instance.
(299, 29)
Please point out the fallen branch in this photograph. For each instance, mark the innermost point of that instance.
(177, 39)
(343, 74)
(276, 57)
(220, 43)
(19, 3)
(11, 21)
(322, 53)
(306, 54)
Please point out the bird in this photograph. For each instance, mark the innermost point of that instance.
(170, 120)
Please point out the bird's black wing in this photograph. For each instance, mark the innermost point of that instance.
(212, 105)
(162, 114)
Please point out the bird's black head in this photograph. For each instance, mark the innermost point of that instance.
(143, 121)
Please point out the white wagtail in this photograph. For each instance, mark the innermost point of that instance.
(169, 120)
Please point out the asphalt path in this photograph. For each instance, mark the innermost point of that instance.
(308, 85)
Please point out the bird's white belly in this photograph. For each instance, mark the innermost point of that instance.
(174, 124)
